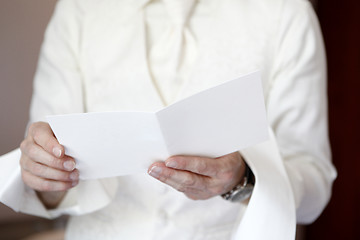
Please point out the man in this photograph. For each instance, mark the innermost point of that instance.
(143, 55)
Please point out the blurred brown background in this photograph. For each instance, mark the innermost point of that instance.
(22, 23)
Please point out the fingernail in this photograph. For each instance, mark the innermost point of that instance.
(57, 151)
(155, 171)
(74, 176)
(69, 165)
(171, 164)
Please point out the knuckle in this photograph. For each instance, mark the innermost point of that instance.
(26, 179)
(189, 181)
(49, 144)
(201, 166)
(23, 145)
(53, 162)
(163, 178)
(60, 186)
(215, 171)
(167, 175)
(34, 129)
(228, 176)
(37, 169)
(37, 131)
(32, 151)
(63, 176)
(226, 165)
(46, 186)
(226, 169)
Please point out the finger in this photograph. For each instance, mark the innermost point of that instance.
(200, 165)
(36, 153)
(43, 171)
(182, 181)
(212, 167)
(42, 134)
(45, 185)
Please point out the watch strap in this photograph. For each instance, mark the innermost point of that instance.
(243, 190)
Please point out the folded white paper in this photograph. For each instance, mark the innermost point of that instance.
(212, 123)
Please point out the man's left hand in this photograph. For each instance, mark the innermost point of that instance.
(200, 177)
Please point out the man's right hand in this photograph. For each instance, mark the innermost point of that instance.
(44, 165)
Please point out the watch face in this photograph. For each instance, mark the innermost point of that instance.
(242, 194)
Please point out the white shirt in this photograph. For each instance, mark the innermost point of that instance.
(94, 58)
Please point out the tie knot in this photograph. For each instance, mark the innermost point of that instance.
(179, 10)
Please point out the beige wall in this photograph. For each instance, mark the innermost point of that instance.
(22, 23)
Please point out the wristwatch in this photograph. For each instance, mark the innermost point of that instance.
(243, 190)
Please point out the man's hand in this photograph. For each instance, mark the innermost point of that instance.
(200, 177)
(44, 165)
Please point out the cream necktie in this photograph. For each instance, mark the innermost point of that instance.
(174, 53)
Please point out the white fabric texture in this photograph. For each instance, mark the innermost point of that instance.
(173, 54)
(96, 57)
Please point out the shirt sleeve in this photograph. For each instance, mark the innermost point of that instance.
(58, 89)
(297, 108)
